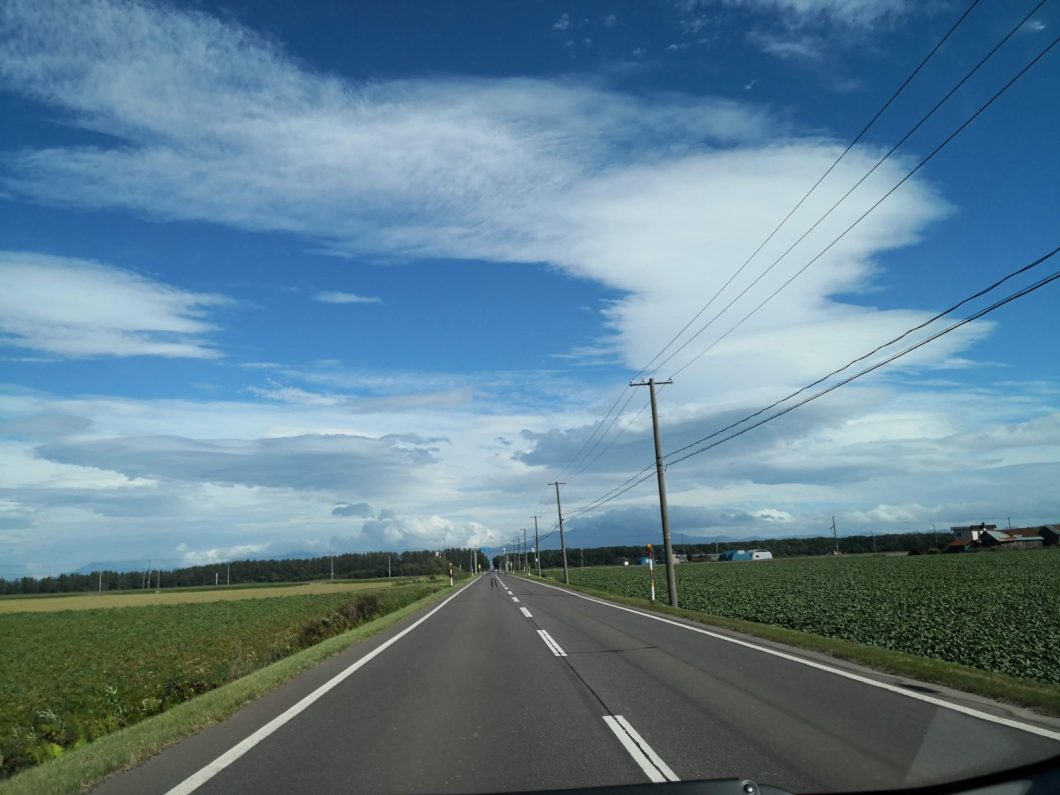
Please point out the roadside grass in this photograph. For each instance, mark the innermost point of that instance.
(46, 603)
(83, 767)
(1032, 694)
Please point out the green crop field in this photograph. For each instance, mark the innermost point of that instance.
(71, 676)
(998, 612)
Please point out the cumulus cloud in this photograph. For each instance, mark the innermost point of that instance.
(390, 530)
(204, 557)
(77, 308)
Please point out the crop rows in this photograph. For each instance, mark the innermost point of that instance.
(68, 677)
(999, 612)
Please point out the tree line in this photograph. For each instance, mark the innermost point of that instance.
(914, 543)
(347, 566)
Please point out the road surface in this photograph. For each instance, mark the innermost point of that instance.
(519, 685)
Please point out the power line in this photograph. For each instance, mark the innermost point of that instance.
(628, 484)
(615, 438)
(862, 217)
(981, 313)
(806, 195)
(968, 75)
(645, 473)
(574, 461)
(878, 348)
(601, 502)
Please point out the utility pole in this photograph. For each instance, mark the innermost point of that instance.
(526, 554)
(873, 542)
(388, 565)
(660, 468)
(537, 546)
(228, 573)
(505, 551)
(333, 567)
(836, 535)
(101, 580)
(562, 540)
(936, 532)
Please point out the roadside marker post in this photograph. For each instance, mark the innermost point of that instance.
(651, 571)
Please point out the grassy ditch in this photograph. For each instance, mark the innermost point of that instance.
(89, 691)
(1040, 696)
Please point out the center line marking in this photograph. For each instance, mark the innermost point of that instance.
(515, 599)
(551, 643)
(643, 754)
(526, 612)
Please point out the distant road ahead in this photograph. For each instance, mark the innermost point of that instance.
(525, 686)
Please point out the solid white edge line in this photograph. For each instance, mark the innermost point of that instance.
(938, 702)
(647, 749)
(526, 612)
(204, 774)
(634, 751)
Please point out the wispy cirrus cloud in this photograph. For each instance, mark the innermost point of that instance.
(73, 308)
(216, 123)
(336, 297)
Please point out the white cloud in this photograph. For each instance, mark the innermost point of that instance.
(856, 13)
(334, 297)
(78, 308)
(606, 186)
(627, 191)
(562, 24)
(809, 48)
(308, 461)
(204, 557)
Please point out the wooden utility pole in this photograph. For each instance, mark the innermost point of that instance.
(836, 535)
(562, 540)
(664, 514)
(537, 546)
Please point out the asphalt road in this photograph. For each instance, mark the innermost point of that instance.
(522, 686)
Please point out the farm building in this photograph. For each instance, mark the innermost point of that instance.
(1010, 539)
(972, 532)
(987, 536)
(746, 554)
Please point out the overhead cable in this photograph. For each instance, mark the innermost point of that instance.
(876, 204)
(865, 176)
(953, 327)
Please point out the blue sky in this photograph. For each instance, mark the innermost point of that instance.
(329, 276)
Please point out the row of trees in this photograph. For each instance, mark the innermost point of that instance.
(357, 565)
(916, 543)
